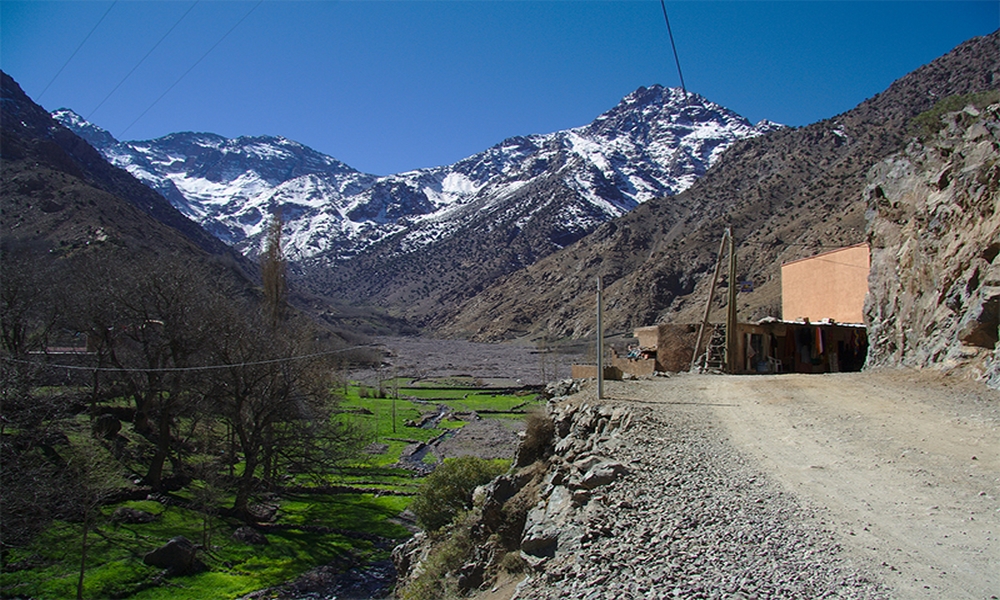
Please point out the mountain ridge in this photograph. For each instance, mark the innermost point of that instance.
(667, 118)
(786, 195)
(31, 132)
(493, 212)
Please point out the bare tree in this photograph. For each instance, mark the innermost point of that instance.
(151, 319)
(277, 400)
(28, 311)
(92, 476)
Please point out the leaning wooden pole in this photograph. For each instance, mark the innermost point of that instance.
(600, 342)
(711, 296)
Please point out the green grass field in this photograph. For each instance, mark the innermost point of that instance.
(114, 564)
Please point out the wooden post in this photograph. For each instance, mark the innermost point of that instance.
(731, 333)
(711, 295)
(600, 342)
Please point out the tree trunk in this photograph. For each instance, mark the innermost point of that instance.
(83, 551)
(154, 477)
(267, 473)
(245, 485)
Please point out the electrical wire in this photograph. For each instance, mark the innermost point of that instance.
(674, 47)
(143, 59)
(54, 77)
(191, 68)
(187, 369)
(797, 244)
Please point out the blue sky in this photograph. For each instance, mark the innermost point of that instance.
(397, 85)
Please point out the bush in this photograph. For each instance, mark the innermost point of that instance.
(433, 582)
(927, 124)
(537, 442)
(513, 562)
(448, 490)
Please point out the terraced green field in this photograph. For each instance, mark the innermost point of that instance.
(348, 519)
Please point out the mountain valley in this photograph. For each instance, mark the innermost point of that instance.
(434, 236)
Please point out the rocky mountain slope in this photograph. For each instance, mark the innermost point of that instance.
(431, 236)
(229, 186)
(788, 194)
(934, 227)
(59, 193)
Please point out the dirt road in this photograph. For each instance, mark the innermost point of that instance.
(903, 466)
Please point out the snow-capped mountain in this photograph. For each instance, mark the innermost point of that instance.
(656, 142)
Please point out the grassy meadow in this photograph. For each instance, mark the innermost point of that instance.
(347, 519)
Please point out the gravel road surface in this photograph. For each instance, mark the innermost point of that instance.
(870, 485)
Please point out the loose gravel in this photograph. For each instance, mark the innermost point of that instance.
(695, 519)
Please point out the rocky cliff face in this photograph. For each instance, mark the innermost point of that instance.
(934, 229)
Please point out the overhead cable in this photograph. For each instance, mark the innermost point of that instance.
(94, 28)
(674, 47)
(191, 68)
(129, 74)
(187, 369)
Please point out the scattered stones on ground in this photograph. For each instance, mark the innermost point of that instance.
(641, 502)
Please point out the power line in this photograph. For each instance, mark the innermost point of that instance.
(797, 244)
(188, 369)
(674, 47)
(129, 74)
(77, 50)
(191, 68)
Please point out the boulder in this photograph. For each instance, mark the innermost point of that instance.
(602, 474)
(250, 536)
(471, 576)
(178, 556)
(131, 516)
(545, 522)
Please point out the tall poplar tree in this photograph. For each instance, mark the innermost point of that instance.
(273, 272)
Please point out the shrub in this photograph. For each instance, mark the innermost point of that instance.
(448, 490)
(513, 562)
(433, 582)
(927, 124)
(537, 438)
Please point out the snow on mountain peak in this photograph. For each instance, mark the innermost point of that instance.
(657, 141)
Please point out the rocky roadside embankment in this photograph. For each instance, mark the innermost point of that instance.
(934, 231)
(627, 501)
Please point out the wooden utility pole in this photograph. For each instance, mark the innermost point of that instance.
(731, 333)
(600, 342)
(711, 296)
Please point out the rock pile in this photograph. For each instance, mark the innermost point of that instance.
(934, 229)
(557, 390)
(584, 439)
(632, 503)
(540, 508)
(691, 519)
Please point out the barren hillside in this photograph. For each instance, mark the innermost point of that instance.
(788, 194)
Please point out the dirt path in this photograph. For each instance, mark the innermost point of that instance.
(904, 467)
